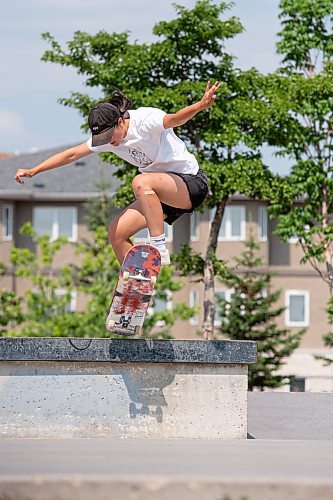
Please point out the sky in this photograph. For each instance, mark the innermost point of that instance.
(30, 116)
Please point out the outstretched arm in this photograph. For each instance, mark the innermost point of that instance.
(57, 160)
(185, 114)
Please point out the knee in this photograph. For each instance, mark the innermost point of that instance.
(141, 184)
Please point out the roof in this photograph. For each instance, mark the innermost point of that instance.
(73, 182)
(6, 155)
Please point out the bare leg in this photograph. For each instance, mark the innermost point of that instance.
(129, 222)
(153, 188)
(150, 189)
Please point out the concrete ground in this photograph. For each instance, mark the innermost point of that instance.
(285, 415)
(289, 456)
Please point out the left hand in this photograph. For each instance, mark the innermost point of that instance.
(209, 96)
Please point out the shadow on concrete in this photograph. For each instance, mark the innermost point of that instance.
(146, 391)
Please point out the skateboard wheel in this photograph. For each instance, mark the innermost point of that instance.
(153, 280)
(111, 323)
(137, 330)
(125, 276)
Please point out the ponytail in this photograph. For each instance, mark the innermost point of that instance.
(119, 101)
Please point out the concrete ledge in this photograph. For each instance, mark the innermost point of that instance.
(65, 388)
(129, 350)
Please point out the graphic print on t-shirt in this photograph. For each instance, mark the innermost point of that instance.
(140, 157)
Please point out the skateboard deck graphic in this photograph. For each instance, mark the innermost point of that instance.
(134, 290)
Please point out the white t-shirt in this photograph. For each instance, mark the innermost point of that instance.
(151, 147)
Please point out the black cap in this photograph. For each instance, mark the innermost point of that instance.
(102, 120)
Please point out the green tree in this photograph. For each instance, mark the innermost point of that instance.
(95, 276)
(10, 308)
(306, 45)
(171, 73)
(44, 304)
(250, 313)
(99, 209)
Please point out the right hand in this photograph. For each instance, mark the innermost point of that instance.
(209, 97)
(22, 172)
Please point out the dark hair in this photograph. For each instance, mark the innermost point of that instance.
(120, 102)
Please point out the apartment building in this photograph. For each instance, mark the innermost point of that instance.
(54, 202)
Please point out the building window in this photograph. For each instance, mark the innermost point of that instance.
(194, 226)
(193, 302)
(233, 227)
(143, 235)
(221, 295)
(295, 239)
(262, 223)
(70, 306)
(297, 308)
(160, 306)
(7, 222)
(56, 222)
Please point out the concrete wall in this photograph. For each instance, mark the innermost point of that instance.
(124, 388)
(56, 399)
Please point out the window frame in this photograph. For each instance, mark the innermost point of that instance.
(262, 221)
(55, 221)
(59, 292)
(228, 236)
(306, 321)
(151, 310)
(228, 292)
(195, 224)
(10, 211)
(193, 302)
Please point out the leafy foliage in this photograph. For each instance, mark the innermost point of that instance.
(250, 315)
(306, 38)
(43, 302)
(306, 44)
(99, 209)
(10, 310)
(94, 276)
(160, 319)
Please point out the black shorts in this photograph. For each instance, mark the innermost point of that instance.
(197, 186)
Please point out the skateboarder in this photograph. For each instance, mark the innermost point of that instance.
(170, 182)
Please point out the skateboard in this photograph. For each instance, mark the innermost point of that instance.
(134, 290)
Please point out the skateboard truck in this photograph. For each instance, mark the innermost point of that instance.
(123, 326)
(138, 275)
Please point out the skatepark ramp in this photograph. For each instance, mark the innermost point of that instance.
(123, 388)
